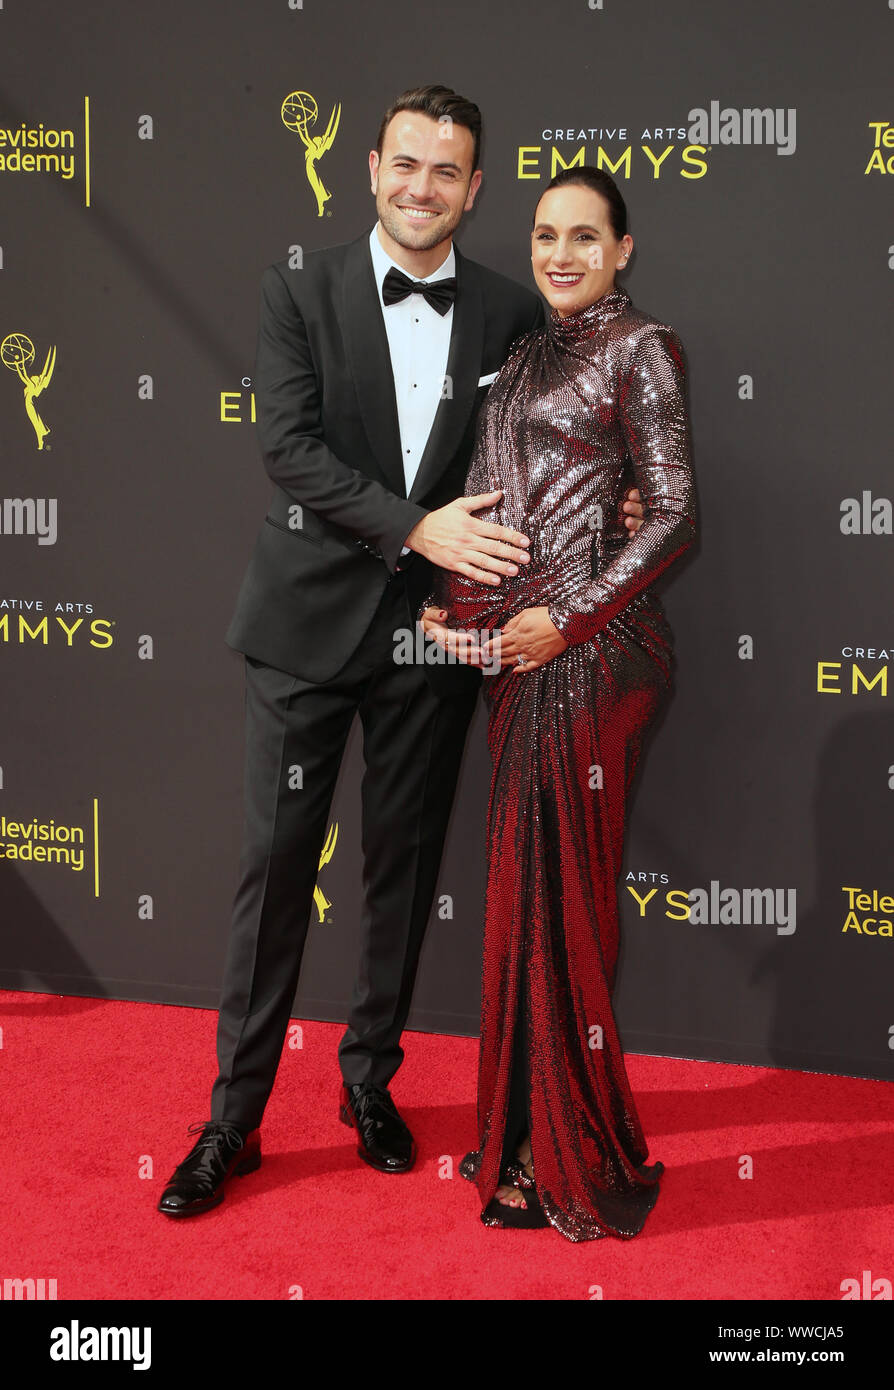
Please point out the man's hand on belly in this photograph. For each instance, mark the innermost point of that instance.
(455, 540)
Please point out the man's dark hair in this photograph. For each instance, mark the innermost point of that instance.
(436, 102)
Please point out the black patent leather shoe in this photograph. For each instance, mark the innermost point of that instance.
(385, 1141)
(197, 1183)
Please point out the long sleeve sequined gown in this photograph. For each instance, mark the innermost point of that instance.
(579, 404)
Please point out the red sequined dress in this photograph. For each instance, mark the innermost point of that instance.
(578, 404)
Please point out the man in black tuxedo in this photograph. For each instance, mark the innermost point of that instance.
(372, 362)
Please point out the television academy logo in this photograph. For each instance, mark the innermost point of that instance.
(53, 844)
(40, 150)
(882, 139)
(869, 912)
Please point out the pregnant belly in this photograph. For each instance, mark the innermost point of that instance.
(474, 604)
(469, 603)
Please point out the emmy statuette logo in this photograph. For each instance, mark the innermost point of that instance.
(17, 353)
(300, 111)
(322, 902)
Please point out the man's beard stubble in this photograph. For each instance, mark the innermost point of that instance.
(397, 230)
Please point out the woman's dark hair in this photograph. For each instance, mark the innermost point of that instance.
(437, 102)
(588, 176)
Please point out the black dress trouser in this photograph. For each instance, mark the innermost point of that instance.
(296, 733)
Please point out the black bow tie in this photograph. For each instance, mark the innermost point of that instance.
(440, 294)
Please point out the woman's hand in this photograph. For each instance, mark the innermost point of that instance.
(531, 634)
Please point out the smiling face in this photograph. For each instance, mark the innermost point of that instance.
(423, 182)
(574, 251)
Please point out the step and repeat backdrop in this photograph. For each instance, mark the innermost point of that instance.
(153, 161)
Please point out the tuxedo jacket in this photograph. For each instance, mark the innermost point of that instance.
(328, 430)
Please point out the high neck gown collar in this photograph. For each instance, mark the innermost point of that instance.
(586, 321)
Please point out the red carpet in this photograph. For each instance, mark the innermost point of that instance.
(96, 1093)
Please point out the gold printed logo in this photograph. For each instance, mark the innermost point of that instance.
(328, 850)
(17, 353)
(881, 161)
(299, 111)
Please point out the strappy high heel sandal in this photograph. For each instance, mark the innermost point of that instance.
(531, 1216)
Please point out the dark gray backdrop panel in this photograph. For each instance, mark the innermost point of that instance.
(773, 267)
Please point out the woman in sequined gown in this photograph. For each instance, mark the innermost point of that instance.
(584, 662)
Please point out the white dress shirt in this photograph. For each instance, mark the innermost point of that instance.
(418, 341)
